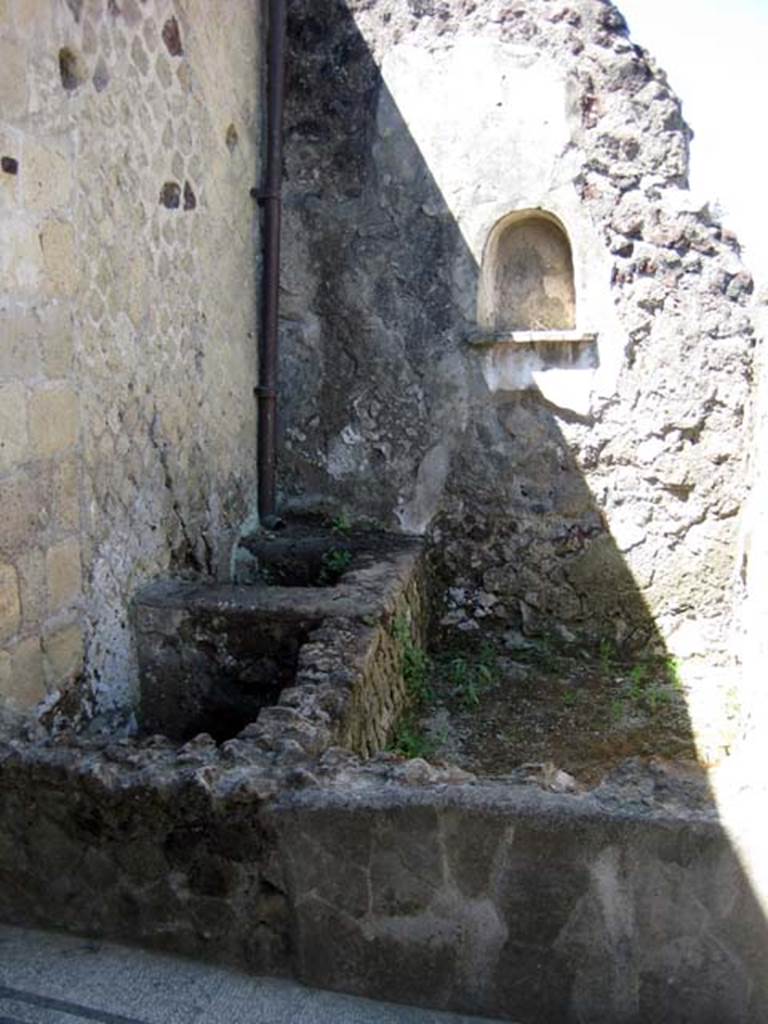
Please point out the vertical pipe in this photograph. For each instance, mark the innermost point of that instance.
(271, 199)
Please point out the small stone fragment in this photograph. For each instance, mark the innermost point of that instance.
(100, 75)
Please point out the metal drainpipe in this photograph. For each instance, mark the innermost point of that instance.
(270, 197)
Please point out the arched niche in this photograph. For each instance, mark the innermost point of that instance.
(529, 332)
(527, 281)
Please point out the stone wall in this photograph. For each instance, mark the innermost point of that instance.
(520, 905)
(299, 668)
(584, 485)
(150, 845)
(129, 140)
(751, 638)
(392, 879)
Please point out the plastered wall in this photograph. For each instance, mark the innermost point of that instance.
(129, 141)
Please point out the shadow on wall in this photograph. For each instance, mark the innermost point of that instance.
(392, 409)
(393, 403)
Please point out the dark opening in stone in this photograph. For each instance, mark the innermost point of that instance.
(241, 680)
(299, 561)
(172, 38)
(222, 662)
(170, 195)
(9, 164)
(231, 138)
(71, 69)
(190, 200)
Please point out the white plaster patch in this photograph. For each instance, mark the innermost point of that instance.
(566, 388)
(416, 514)
(346, 454)
(457, 126)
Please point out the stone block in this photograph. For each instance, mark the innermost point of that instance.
(63, 654)
(31, 569)
(57, 240)
(45, 177)
(64, 575)
(24, 512)
(56, 340)
(66, 497)
(28, 681)
(19, 353)
(53, 421)
(14, 440)
(14, 93)
(10, 604)
(21, 258)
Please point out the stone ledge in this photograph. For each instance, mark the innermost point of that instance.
(486, 339)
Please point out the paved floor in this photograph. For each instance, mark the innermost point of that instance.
(55, 979)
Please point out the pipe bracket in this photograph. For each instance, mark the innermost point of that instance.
(264, 195)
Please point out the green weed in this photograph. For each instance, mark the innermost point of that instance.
(645, 690)
(607, 656)
(415, 662)
(570, 696)
(410, 742)
(672, 667)
(638, 682)
(470, 676)
(341, 524)
(334, 564)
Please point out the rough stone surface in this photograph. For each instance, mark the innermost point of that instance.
(750, 635)
(127, 330)
(586, 480)
(330, 659)
(596, 494)
(177, 853)
(387, 877)
(535, 908)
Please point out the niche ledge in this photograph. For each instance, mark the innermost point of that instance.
(488, 339)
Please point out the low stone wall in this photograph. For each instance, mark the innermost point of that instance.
(283, 851)
(166, 845)
(335, 654)
(390, 878)
(510, 902)
(166, 848)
